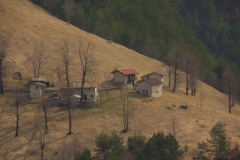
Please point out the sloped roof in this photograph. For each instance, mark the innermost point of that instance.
(37, 79)
(151, 81)
(77, 84)
(126, 71)
(64, 84)
(38, 84)
(156, 72)
(87, 84)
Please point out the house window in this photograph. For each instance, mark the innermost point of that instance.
(36, 87)
(91, 96)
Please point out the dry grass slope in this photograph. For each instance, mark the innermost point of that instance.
(23, 19)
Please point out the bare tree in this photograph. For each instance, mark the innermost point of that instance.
(45, 114)
(66, 56)
(202, 97)
(231, 87)
(69, 148)
(176, 70)
(69, 7)
(174, 125)
(42, 145)
(87, 61)
(16, 91)
(37, 59)
(168, 65)
(107, 84)
(128, 108)
(3, 53)
(125, 104)
(192, 72)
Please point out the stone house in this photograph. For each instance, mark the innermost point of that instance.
(151, 84)
(90, 93)
(124, 76)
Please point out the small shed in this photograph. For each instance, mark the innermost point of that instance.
(150, 87)
(125, 76)
(37, 90)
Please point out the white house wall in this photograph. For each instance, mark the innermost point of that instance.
(153, 90)
(144, 86)
(157, 90)
(36, 93)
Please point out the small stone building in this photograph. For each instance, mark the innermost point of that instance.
(151, 84)
(90, 93)
(37, 90)
(150, 87)
(125, 76)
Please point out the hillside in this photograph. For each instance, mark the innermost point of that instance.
(23, 19)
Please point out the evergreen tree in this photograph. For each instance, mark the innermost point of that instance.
(219, 146)
(201, 152)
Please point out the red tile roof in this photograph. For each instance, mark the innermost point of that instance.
(126, 71)
(152, 81)
(64, 85)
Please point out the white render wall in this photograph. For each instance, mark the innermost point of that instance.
(153, 90)
(36, 93)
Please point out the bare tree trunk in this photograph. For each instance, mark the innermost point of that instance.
(187, 76)
(3, 53)
(87, 62)
(1, 77)
(42, 146)
(176, 66)
(17, 117)
(45, 115)
(231, 83)
(82, 85)
(69, 103)
(17, 113)
(66, 58)
(125, 110)
(202, 96)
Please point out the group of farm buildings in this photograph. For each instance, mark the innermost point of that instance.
(150, 85)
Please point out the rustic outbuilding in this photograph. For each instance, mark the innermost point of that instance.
(150, 87)
(125, 76)
(90, 93)
(37, 90)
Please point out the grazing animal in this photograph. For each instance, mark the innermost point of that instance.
(174, 105)
(184, 107)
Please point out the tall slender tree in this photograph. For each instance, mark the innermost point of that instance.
(37, 59)
(66, 56)
(3, 53)
(85, 52)
(177, 61)
(231, 87)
